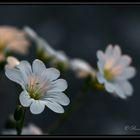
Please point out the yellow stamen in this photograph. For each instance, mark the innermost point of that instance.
(108, 75)
(36, 87)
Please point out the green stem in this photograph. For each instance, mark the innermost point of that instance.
(74, 107)
(19, 123)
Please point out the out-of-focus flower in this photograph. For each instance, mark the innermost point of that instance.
(42, 45)
(45, 51)
(82, 68)
(40, 86)
(13, 40)
(60, 60)
(30, 33)
(31, 129)
(12, 62)
(60, 56)
(114, 71)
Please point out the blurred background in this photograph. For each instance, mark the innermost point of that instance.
(80, 30)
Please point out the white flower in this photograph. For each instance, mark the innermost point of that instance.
(82, 68)
(31, 129)
(114, 71)
(12, 62)
(40, 86)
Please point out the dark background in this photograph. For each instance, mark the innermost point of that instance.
(80, 30)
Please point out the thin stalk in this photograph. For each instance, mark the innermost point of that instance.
(19, 124)
(72, 108)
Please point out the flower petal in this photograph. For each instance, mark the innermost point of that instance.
(50, 74)
(58, 86)
(15, 75)
(127, 88)
(129, 72)
(116, 51)
(37, 107)
(125, 60)
(100, 67)
(25, 99)
(108, 51)
(119, 91)
(38, 66)
(54, 106)
(109, 87)
(100, 55)
(60, 98)
(100, 78)
(25, 69)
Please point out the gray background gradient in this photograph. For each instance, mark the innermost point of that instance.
(80, 30)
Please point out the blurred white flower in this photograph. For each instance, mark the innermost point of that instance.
(31, 129)
(60, 57)
(30, 33)
(12, 62)
(41, 43)
(114, 71)
(82, 68)
(48, 51)
(12, 39)
(40, 86)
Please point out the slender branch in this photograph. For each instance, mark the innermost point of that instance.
(74, 107)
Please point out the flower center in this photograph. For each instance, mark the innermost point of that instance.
(36, 87)
(108, 75)
(113, 72)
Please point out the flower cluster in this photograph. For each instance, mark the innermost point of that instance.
(113, 67)
(58, 57)
(42, 87)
